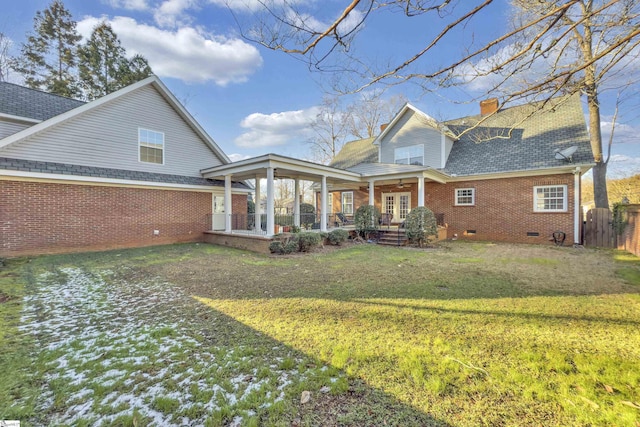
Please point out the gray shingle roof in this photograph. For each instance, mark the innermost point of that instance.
(21, 101)
(355, 152)
(68, 169)
(520, 138)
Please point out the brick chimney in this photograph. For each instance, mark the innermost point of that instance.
(383, 127)
(488, 106)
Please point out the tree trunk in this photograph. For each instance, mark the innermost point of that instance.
(600, 196)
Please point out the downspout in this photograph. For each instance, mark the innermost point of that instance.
(576, 207)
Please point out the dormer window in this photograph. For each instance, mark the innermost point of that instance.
(151, 146)
(411, 155)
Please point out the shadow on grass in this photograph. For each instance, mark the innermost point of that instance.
(358, 404)
(507, 313)
(349, 401)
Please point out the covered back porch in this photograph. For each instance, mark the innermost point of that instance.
(393, 189)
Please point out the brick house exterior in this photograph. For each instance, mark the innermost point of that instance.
(90, 201)
(496, 176)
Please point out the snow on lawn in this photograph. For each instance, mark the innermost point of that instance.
(112, 348)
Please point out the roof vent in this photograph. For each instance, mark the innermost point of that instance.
(488, 106)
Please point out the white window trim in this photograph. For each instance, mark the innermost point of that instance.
(342, 202)
(564, 198)
(473, 197)
(395, 153)
(140, 145)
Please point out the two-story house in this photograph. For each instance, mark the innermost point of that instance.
(123, 170)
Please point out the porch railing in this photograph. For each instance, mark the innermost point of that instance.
(245, 223)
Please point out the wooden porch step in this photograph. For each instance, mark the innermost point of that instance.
(393, 238)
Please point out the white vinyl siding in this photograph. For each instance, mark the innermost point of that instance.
(107, 136)
(465, 197)
(550, 198)
(347, 202)
(410, 130)
(8, 128)
(411, 155)
(151, 146)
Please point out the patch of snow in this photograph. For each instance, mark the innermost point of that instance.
(97, 324)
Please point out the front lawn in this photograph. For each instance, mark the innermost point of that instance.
(465, 335)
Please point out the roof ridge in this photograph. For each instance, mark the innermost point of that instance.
(511, 107)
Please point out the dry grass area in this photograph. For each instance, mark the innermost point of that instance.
(464, 334)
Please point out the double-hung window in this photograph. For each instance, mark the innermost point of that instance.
(550, 198)
(465, 196)
(347, 202)
(151, 146)
(412, 155)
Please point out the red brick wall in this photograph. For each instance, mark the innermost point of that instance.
(503, 209)
(38, 218)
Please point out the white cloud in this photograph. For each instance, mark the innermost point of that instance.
(188, 53)
(622, 165)
(235, 157)
(252, 5)
(128, 4)
(623, 132)
(268, 130)
(558, 59)
(171, 13)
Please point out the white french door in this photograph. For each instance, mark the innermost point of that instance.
(219, 222)
(397, 204)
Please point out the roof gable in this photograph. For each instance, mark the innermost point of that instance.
(112, 97)
(426, 119)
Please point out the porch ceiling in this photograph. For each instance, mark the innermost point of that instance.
(284, 168)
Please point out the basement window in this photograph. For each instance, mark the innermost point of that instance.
(550, 198)
(150, 146)
(470, 232)
(533, 234)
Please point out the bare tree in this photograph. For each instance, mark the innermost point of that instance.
(366, 114)
(330, 130)
(361, 119)
(552, 47)
(5, 58)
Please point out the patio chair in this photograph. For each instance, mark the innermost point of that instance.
(343, 219)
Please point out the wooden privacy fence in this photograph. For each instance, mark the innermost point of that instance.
(629, 240)
(598, 229)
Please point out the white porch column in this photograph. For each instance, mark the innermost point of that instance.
(323, 202)
(420, 191)
(270, 207)
(372, 197)
(228, 209)
(258, 206)
(296, 202)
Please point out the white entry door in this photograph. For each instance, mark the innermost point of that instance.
(218, 212)
(397, 204)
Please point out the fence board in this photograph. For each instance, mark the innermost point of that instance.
(599, 229)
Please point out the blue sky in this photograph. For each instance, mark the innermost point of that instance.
(252, 100)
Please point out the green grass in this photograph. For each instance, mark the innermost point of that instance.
(469, 334)
(18, 389)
